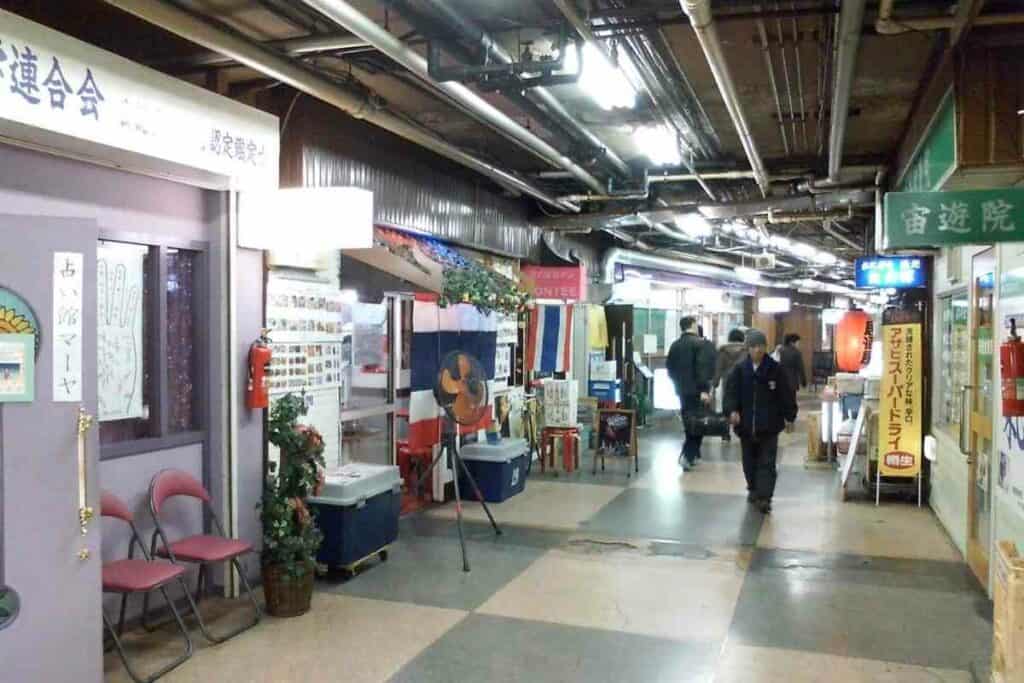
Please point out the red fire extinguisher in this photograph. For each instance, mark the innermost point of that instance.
(1011, 362)
(256, 393)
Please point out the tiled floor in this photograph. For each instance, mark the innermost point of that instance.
(658, 577)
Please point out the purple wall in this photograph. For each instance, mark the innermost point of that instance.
(39, 184)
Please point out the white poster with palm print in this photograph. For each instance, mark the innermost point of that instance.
(119, 275)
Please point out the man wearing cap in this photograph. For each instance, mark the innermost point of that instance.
(759, 403)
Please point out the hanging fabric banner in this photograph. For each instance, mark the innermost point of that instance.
(549, 346)
(899, 422)
(437, 331)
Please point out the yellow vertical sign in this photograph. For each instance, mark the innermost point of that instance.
(899, 419)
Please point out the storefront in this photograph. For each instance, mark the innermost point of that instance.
(959, 197)
(117, 186)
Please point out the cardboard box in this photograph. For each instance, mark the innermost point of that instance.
(1008, 615)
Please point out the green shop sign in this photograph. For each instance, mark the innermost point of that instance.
(935, 160)
(916, 220)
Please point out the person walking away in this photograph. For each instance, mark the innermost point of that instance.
(792, 361)
(759, 402)
(690, 370)
(729, 354)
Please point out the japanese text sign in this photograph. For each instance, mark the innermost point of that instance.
(566, 283)
(67, 327)
(51, 83)
(899, 420)
(933, 219)
(902, 272)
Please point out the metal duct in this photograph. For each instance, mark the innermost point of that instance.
(358, 23)
(849, 24)
(293, 47)
(699, 12)
(542, 96)
(242, 50)
(614, 256)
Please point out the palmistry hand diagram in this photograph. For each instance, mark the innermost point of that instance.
(119, 305)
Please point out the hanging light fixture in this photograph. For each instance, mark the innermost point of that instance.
(854, 335)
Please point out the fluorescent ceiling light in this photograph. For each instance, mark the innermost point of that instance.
(694, 225)
(823, 258)
(660, 144)
(602, 81)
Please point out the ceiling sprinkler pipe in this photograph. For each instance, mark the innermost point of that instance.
(282, 69)
(699, 12)
(293, 47)
(697, 267)
(350, 18)
(849, 26)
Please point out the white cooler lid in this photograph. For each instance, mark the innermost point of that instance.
(503, 451)
(356, 481)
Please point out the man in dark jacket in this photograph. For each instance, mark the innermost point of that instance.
(759, 403)
(691, 367)
(792, 362)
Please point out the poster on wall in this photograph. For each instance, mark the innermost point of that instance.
(119, 282)
(67, 327)
(303, 312)
(17, 368)
(899, 423)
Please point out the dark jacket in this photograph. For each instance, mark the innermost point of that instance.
(763, 399)
(691, 365)
(729, 355)
(793, 363)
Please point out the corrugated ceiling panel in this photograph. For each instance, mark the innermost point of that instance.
(413, 197)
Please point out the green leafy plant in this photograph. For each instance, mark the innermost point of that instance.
(291, 538)
(485, 289)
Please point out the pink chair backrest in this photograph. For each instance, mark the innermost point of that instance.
(112, 506)
(169, 483)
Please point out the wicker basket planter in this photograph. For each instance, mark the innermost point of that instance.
(287, 596)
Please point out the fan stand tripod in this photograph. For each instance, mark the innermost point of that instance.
(449, 448)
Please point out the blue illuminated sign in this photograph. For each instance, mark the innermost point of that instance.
(891, 272)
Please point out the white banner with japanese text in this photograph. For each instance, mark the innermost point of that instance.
(52, 82)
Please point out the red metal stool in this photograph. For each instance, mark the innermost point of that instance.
(570, 437)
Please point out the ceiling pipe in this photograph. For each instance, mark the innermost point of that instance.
(199, 31)
(885, 24)
(648, 80)
(830, 229)
(698, 267)
(849, 24)
(540, 95)
(699, 12)
(293, 47)
(781, 217)
(348, 17)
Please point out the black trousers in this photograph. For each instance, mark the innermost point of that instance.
(691, 405)
(759, 464)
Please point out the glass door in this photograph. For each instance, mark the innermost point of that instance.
(367, 401)
(979, 513)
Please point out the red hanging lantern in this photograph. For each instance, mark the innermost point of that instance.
(853, 341)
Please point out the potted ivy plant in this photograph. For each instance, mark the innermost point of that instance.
(291, 538)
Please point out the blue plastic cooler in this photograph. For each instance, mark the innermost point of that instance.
(357, 511)
(499, 469)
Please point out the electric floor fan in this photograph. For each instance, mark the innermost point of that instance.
(461, 391)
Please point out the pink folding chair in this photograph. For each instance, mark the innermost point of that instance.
(134, 575)
(199, 549)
